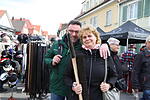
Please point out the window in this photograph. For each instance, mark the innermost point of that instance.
(136, 10)
(100, 1)
(93, 21)
(83, 23)
(84, 7)
(140, 9)
(87, 5)
(130, 11)
(108, 17)
(147, 8)
(93, 3)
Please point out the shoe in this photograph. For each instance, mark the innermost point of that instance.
(3, 90)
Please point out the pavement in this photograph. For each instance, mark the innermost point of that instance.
(18, 94)
(15, 92)
(24, 96)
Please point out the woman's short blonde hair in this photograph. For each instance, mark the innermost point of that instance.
(90, 29)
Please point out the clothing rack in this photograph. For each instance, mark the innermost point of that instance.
(37, 73)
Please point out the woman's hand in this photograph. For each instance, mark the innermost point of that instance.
(104, 87)
(77, 88)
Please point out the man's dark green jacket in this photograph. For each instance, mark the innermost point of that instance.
(57, 84)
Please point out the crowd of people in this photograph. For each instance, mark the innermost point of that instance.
(10, 62)
(128, 74)
(90, 55)
(141, 79)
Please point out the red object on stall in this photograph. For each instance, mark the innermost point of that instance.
(11, 98)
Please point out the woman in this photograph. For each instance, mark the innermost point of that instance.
(90, 69)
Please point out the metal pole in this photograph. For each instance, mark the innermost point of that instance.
(127, 45)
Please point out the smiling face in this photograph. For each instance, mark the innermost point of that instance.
(74, 31)
(89, 40)
(114, 44)
(89, 37)
(114, 47)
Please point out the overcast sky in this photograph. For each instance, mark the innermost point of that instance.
(47, 13)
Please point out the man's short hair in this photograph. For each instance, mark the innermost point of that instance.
(74, 22)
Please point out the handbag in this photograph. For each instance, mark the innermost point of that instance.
(121, 84)
(113, 94)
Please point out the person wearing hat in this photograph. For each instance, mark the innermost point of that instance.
(128, 57)
(141, 72)
(120, 68)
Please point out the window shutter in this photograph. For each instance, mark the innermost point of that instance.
(140, 9)
(147, 8)
(124, 16)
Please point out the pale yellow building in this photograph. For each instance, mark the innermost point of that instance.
(110, 14)
(100, 13)
(137, 11)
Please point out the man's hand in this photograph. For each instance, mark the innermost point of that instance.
(104, 51)
(56, 59)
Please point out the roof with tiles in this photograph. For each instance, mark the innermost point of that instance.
(45, 33)
(27, 21)
(51, 36)
(18, 25)
(36, 27)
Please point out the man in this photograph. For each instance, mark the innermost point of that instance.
(128, 57)
(57, 58)
(141, 73)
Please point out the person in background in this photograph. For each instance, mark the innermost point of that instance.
(129, 55)
(128, 58)
(5, 38)
(141, 72)
(121, 68)
(58, 57)
(3, 46)
(91, 69)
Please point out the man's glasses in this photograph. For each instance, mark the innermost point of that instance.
(71, 31)
(115, 44)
